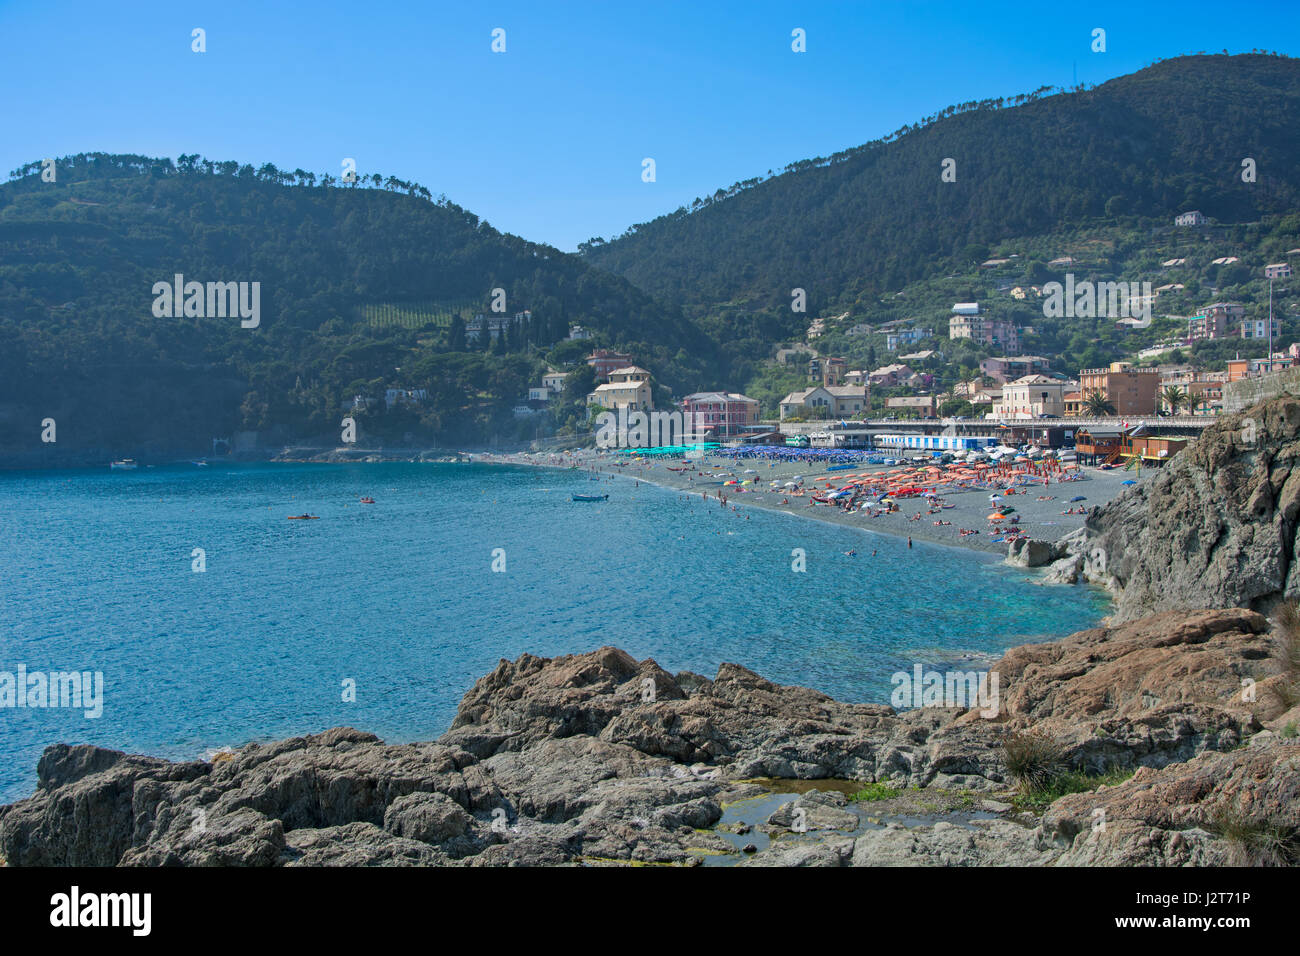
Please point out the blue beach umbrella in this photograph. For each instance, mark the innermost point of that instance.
(1128, 481)
(1078, 498)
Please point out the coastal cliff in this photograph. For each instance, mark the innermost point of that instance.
(1216, 527)
(571, 760)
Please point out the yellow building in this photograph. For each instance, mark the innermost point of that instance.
(631, 393)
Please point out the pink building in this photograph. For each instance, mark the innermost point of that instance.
(724, 413)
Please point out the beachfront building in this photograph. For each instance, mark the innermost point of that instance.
(1009, 369)
(604, 361)
(1217, 321)
(1240, 368)
(834, 401)
(1204, 390)
(1132, 391)
(923, 406)
(1073, 402)
(988, 395)
(935, 442)
(967, 323)
(1033, 396)
(724, 413)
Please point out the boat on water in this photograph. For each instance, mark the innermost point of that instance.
(367, 501)
(304, 517)
(591, 497)
(125, 464)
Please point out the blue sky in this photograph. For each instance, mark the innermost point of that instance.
(546, 140)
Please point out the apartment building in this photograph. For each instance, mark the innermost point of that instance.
(1132, 391)
(1033, 396)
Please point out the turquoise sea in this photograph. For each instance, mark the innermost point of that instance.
(96, 574)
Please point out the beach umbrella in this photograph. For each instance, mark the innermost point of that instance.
(996, 516)
(1078, 498)
(1128, 481)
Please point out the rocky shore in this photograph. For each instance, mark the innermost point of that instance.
(598, 758)
(1161, 739)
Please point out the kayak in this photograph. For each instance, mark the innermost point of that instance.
(591, 497)
(304, 517)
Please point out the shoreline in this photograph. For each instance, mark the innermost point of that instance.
(964, 509)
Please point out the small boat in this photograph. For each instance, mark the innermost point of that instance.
(591, 497)
(125, 464)
(367, 501)
(304, 517)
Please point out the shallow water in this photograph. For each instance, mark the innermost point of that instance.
(400, 597)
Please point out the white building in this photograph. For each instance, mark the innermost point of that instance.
(1193, 218)
(1033, 396)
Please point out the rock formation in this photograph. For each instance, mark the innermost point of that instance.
(564, 760)
(1216, 527)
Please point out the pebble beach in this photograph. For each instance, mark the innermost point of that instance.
(1040, 508)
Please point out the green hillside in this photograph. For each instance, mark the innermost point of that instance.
(850, 228)
(363, 287)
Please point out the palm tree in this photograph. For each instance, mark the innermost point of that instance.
(1176, 399)
(1098, 405)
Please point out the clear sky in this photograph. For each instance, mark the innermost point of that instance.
(546, 140)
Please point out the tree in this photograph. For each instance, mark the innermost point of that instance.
(1098, 405)
(456, 334)
(1175, 398)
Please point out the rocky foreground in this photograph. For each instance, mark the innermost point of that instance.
(564, 761)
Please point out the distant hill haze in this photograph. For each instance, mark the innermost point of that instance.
(1168, 139)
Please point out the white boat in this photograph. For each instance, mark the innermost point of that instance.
(125, 464)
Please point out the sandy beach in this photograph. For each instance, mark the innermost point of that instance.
(960, 509)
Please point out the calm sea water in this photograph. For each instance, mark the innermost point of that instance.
(96, 574)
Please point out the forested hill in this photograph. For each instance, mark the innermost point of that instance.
(364, 287)
(1138, 149)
